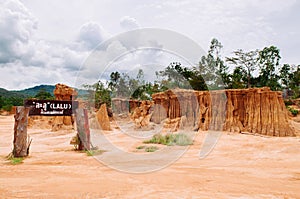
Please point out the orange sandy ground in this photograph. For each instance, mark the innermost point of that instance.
(240, 166)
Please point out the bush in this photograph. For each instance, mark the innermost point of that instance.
(180, 139)
(288, 102)
(7, 107)
(151, 148)
(293, 111)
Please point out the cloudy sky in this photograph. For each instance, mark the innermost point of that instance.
(48, 41)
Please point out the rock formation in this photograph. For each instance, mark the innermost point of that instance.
(124, 106)
(103, 118)
(63, 92)
(141, 115)
(256, 110)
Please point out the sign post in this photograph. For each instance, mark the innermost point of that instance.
(48, 108)
(21, 145)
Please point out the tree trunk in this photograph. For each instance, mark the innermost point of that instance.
(83, 130)
(20, 132)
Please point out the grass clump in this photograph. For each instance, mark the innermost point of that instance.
(94, 152)
(15, 161)
(151, 148)
(180, 139)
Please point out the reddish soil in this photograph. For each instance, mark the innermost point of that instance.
(240, 166)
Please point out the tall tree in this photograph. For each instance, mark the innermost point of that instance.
(176, 76)
(212, 68)
(114, 79)
(285, 75)
(295, 82)
(269, 59)
(245, 60)
(238, 78)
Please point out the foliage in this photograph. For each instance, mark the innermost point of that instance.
(245, 61)
(151, 148)
(288, 103)
(43, 95)
(294, 83)
(98, 94)
(180, 139)
(268, 60)
(285, 75)
(16, 98)
(7, 103)
(14, 160)
(238, 78)
(94, 152)
(293, 111)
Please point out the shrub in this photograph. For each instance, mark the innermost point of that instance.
(7, 107)
(288, 102)
(151, 148)
(293, 111)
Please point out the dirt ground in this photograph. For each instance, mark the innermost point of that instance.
(240, 166)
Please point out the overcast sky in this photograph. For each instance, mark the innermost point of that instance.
(46, 41)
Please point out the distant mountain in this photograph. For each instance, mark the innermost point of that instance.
(26, 93)
(7, 94)
(30, 92)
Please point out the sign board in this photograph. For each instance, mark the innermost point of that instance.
(51, 107)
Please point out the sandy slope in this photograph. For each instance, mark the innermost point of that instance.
(240, 166)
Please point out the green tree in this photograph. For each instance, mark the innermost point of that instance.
(43, 95)
(246, 60)
(114, 79)
(285, 75)
(212, 68)
(1, 102)
(175, 76)
(269, 59)
(98, 94)
(238, 78)
(295, 82)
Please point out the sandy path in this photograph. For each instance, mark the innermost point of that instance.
(240, 166)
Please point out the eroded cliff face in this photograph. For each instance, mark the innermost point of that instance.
(257, 110)
(63, 92)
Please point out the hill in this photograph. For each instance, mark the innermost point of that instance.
(30, 92)
(8, 94)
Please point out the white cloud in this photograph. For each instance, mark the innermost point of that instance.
(17, 26)
(92, 34)
(129, 23)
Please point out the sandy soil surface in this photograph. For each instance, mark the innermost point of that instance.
(240, 166)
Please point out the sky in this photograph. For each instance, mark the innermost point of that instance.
(54, 41)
